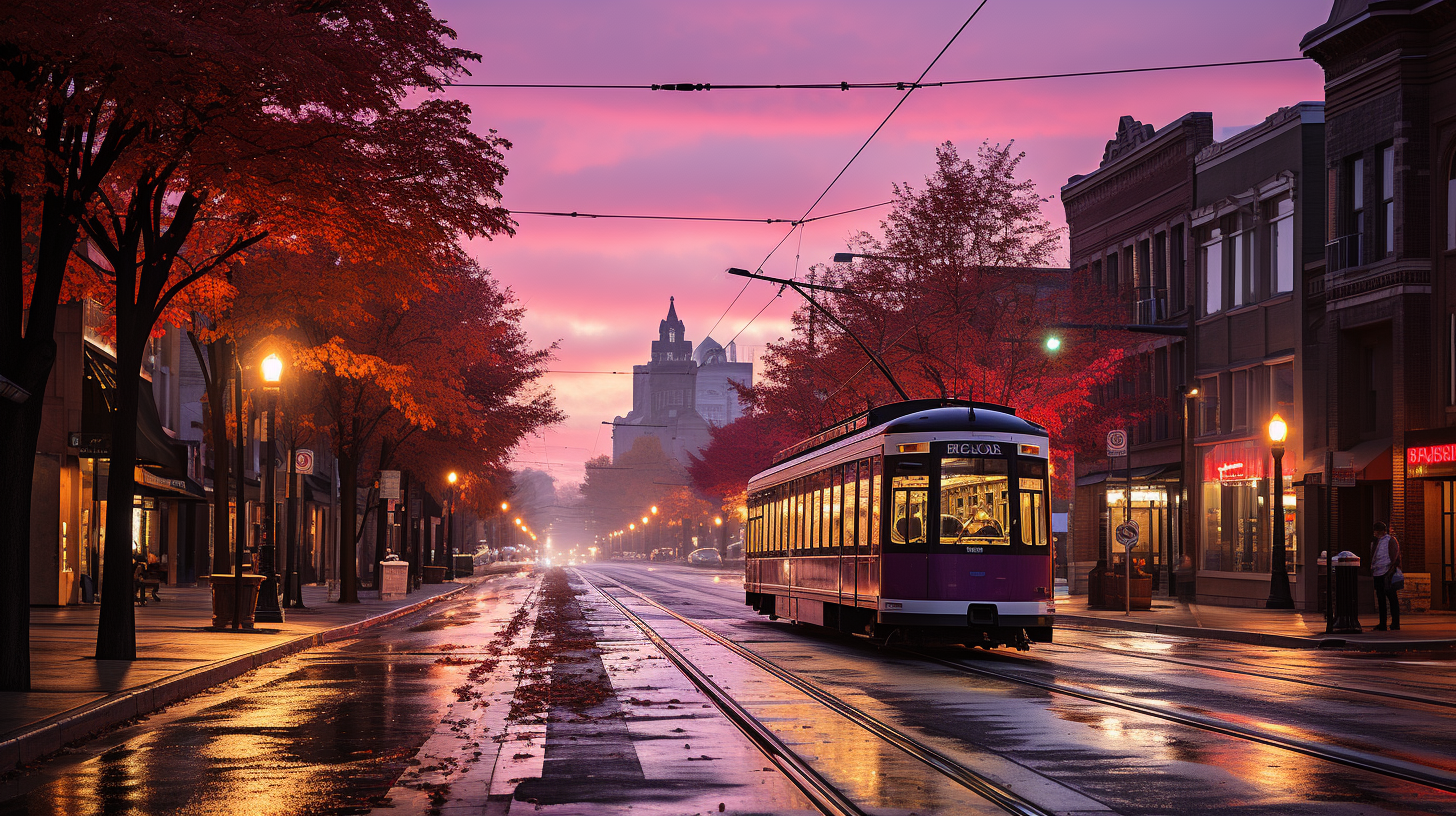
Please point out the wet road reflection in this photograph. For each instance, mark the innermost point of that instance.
(1133, 763)
(326, 731)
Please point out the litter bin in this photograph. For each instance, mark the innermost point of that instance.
(1347, 593)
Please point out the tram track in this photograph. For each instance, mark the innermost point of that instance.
(819, 790)
(1394, 769)
(1389, 768)
(1343, 689)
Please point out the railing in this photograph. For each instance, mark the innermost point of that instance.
(1344, 252)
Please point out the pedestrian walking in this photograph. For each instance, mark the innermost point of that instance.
(1385, 567)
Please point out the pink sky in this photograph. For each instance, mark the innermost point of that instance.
(600, 287)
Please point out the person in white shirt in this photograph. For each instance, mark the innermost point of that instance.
(1384, 560)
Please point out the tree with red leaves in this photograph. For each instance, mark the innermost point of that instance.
(736, 452)
(956, 298)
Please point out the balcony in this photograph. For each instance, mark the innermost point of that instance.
(1344, 252)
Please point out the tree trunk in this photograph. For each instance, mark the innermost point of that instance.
(116, 629)
(348, 529)
(19, 436)
(381, 535)
(220, 363)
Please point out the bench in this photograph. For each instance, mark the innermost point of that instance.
(148, 582)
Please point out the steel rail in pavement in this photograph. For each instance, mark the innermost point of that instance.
(824, 795)
(1395, 769)
(995, 793)
(1389, 695)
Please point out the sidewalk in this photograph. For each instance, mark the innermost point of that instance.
(1264, 627)
(74, 695)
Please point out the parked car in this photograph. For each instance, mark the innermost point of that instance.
(664, 554)
(706, 557)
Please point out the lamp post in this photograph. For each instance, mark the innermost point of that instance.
(1279, 595)
(450, 527)
(268, 608)
(722, 537)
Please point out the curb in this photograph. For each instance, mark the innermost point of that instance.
(56, 732)
(1253, 638)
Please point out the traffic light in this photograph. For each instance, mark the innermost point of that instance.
(1052, 343)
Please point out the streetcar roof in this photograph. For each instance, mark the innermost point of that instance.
(913, 416)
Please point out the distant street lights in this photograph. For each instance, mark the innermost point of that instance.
(1279, 594)
(268, 608)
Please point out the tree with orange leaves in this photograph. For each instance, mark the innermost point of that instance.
(413, 363)
(178, 137)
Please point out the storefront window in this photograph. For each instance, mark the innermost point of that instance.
(1237, 514)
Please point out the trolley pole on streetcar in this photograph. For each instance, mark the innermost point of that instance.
(800, 287)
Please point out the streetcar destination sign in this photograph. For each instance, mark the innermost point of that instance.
(973, 449)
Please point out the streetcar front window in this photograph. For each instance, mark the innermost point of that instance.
(973, 502)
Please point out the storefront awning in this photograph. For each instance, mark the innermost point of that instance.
(1138, 474)
(165, 486)
(98, 398)
(1372, 460)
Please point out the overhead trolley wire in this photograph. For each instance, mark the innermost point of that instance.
(846, 86)
(909, 89)
(646, 217)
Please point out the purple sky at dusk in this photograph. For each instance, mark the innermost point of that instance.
(600, 287)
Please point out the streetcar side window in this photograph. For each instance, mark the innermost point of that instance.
(973, 508)
(864, 530)
(847, 490)
(836, 502)
(877, 489)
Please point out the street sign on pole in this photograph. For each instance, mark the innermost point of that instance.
(1127, 534)
(303, 461)
(388, 484)
(1117, 443)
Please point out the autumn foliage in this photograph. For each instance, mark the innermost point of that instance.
(957, 301)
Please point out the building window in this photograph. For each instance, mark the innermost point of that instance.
(1208, 406)
(1112, 274)
(1281, 247)
(1451, 357)
(1240, 401)
(1160, 271)
(1212, 271)
(1097, 273)
(1356, 225)
(1387, 197)
(1451, 208)
(1243, 281)
(1176, 261)
(1282, 391)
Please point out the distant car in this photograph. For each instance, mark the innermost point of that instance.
(706, 557)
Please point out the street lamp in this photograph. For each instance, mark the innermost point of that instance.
(1279, 595)
(452, 478)
(268, 608)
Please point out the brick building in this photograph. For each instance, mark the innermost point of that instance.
(1389, 331)
(1129, 231)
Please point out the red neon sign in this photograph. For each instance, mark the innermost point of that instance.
(1431, 455)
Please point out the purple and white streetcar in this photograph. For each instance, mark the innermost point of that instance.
(924, 520)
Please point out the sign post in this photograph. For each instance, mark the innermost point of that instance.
(389, 484)
(303, 461)
(1127, 535)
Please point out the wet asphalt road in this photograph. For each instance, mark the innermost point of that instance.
(333, 729)
(328, 730)
(1132, 763)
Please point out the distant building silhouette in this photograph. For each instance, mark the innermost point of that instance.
(681, 392)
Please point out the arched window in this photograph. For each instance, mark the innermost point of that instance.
(671, 336)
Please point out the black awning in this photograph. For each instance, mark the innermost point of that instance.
(98, 401)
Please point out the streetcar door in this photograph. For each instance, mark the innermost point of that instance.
(906, 564)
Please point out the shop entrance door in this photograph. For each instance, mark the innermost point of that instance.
(1447, 578)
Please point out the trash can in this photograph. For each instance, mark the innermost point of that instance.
(1347, 593)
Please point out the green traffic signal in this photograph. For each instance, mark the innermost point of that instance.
(1053, 343)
